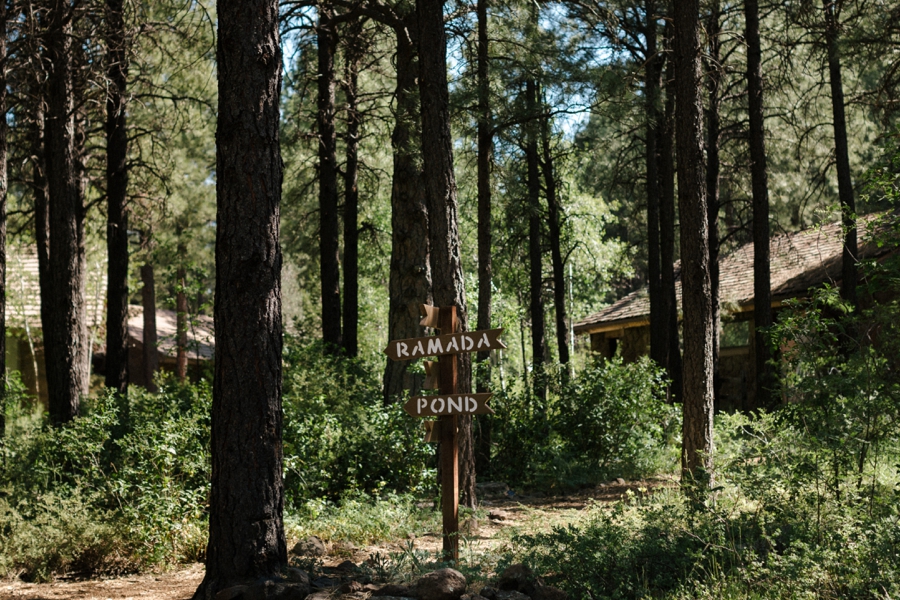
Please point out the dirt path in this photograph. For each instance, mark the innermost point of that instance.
(491, 533)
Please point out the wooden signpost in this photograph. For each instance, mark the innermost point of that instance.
(449, 404)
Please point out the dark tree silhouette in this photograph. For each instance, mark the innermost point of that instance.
(697, 441)
(246, 531)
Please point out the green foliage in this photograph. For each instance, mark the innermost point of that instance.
(338, 436)
(121, 487)
(610, 421)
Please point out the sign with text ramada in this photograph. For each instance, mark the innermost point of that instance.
(439, 345)
(448, 404)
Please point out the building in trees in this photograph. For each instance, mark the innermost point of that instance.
(799, 261)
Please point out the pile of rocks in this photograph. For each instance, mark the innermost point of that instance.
(517, 582)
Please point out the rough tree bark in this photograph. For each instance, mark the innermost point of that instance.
(3, 190)
(328, 192)
(485, 231)
(714, 80)
(448, 284)
(535, 268)
(246, 531)
(667, 225)
(65, 334)
(697, 441)
(181, 318)
(659, 350)
(410, 275)
(117, 201)
(849, 275)
(148, 301)
(555, 235)
(762, 290)
(354, 55)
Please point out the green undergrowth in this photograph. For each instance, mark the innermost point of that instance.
(363, 519)
(770, 529)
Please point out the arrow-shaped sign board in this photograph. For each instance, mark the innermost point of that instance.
(449, 404)
(451, 343)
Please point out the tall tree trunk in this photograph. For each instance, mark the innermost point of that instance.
(535, 268)
(3, 190)
(555, 235)
(351, 192)
(410, 275)
(697, 440)
(328, 192)
(485, 231)
(659, 351)
(246, 530)
(441, 196)
(849, 274)
(117, 207)
(762, 289)
(181, 318)
(667, 226)
(151, 352)
(41, 219)
(66, 332)
(714, 79)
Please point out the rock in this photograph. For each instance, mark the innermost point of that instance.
(348, 566)
(319, 596)
(443, 584)
(311, 546)
(489, 593)
(324, 582)
(472, 596)
(547, 592)
(517, 578)
(491, 489)
(620, 481)
(510, 595)
(390, 598)
(392, 589)
(295, 575)
(498, 515)
(343, 548)
(232, 593)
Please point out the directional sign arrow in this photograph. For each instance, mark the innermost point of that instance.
(449, 404)
(451, 343)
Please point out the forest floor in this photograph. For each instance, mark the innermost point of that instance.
(489, 534)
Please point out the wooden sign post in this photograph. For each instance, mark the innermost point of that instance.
(450, 403)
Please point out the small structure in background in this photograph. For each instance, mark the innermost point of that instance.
(799, 261)
(24, 342)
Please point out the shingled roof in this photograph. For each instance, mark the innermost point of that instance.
(798, 261)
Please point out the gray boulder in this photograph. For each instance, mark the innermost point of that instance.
(311, 546)
(443, 584)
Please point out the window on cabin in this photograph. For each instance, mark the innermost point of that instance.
(734, 334)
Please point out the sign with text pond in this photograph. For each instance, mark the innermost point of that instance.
(439, 345)
(448, 404)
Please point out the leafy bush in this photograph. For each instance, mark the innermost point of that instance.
(338, 436)
(610, 421)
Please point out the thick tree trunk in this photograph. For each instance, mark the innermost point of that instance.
(697, 440)
(555, 235)
(351, 193)
(762, 289)
(329, 244)
(148, 300)
(659, 350)
(667, 227)
(714, 79)
(849, 269)
(3, 190)
(246, 531)
(66, 332)
(42, 221)
(441, 196)
(410, 276)
(117, 201)
(181, 320)
(485, 232)
(535, 267)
